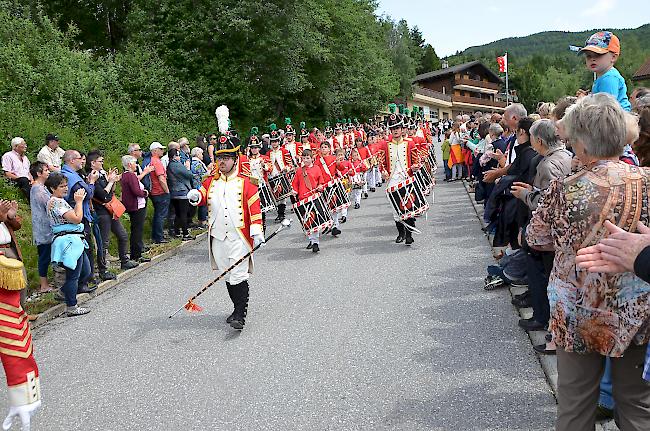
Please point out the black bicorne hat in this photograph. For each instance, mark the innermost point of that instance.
(395, 120)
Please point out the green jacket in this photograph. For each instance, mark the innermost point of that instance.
(446, 148)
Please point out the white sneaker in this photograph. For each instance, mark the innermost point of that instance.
(76, 311)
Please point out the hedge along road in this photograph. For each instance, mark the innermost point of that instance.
(367, 334)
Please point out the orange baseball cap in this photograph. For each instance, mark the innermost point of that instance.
(602, 42)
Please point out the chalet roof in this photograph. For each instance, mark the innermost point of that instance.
(643, 72)
(455, 69)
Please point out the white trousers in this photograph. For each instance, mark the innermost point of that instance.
(314, 238)
(227, 252)
(356, 196)
(370, 178)
(336, 216)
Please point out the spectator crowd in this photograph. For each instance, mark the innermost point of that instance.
(565, 197)
(75, 208)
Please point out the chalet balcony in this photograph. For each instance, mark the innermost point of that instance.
(477, 101)
(476, 85)
(431, 93)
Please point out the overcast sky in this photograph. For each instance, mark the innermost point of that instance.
(452, 26)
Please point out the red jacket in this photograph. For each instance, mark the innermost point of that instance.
(307, 181)
(344, 168)
(326, 164)
(363, 152)
(359, 166)
(412, 157)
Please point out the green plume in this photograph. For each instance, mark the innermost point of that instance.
(303, 125)
(254, 130)
(392, 108)
(406, 112)
(327, 124)
(287, 121)
(273, 127)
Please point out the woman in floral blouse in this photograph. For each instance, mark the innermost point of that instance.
(594, 315)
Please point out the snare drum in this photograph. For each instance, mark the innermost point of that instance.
(266, 197)
(407, 199)
(423, 177)
(280, 185)
(335, 195)
(313, 213)
(433, 165)
(358, 180)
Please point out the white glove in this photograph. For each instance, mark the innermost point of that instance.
(257, 240)
(194, 196)
(24, 412)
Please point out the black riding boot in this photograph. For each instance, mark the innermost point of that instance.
(409, 234)
(400, 232)
(240, 292)
(280, 217)
(232, 298)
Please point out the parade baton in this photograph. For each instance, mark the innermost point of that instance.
(189, 305)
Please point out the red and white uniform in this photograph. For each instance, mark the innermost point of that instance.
(326, 165)
(344, 169)
(399, 158)
(363, 152)
(16, 351)
(260, 167)
(307, 181)
(279, 159)
(340, 141)
(295, 149)
(234, 217)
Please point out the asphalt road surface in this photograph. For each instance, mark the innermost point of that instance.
(365, 335)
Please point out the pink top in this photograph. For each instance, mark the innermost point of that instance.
(16, 164)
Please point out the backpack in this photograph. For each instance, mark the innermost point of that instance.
(146, 180)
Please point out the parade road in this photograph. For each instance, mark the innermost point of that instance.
(365, 335)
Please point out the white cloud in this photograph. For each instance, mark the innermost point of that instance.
(601, 7)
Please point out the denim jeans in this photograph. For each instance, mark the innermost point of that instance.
(160, 210)
(74, 278)
(203, 213)
(447, 169)
(606, 398)
(44, 256)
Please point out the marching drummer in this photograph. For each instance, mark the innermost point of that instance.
(281, 162)
(307, 181)
(345, 171)
(358, 184)
(400, 162)
(260, 166)
(364, 154)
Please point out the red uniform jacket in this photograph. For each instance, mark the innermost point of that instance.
(363, 152)
(359, 165)
(248, 203)
(326, 164)
(412, 158)
(307, 180)
(344, 168)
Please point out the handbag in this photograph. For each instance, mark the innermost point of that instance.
(115, 207)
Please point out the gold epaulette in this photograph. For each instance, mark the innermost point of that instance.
(12, 276)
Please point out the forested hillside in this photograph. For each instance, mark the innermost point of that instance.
(543, 68)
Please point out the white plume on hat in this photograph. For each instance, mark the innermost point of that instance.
(222, 114)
